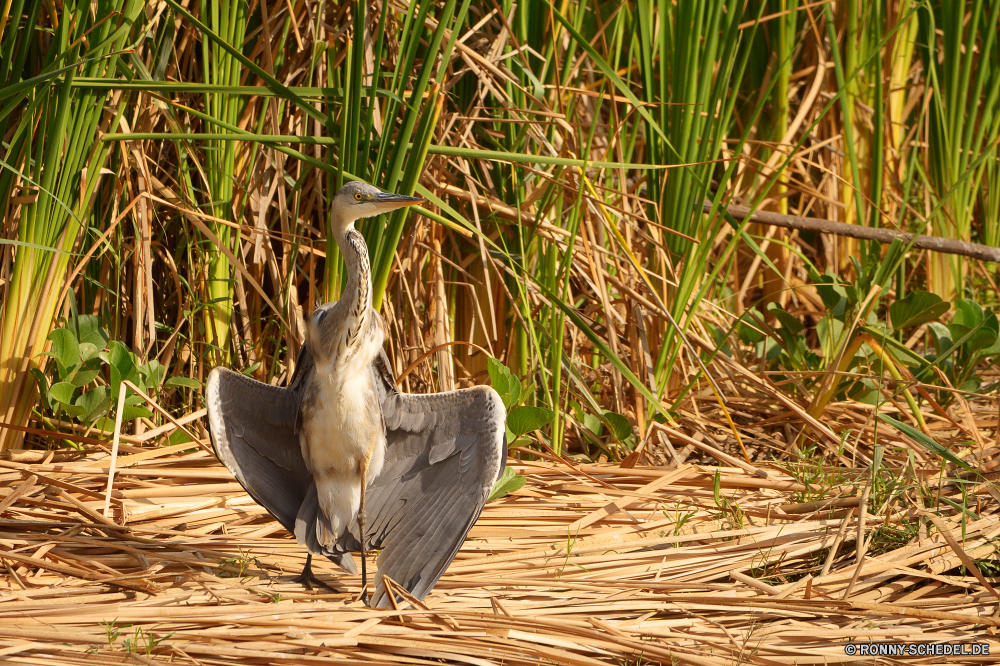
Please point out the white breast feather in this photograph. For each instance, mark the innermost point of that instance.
(343, 430)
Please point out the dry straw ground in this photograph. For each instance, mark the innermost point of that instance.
(586, 564)
(552, 137)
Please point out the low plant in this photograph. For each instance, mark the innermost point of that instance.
(85, 371)
(112, 631)
(143, 641)
(240, 562)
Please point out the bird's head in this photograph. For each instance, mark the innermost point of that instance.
(356, 200)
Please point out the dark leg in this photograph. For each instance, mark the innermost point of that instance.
(307, 578)
(361, 531)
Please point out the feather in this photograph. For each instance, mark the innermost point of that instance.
(443, 454)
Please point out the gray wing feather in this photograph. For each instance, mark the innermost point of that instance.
(253, 433)
(443, 454)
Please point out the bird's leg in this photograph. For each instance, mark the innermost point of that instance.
(307, 578)
(361, 531)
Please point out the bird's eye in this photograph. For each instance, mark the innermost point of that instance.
(358, 196)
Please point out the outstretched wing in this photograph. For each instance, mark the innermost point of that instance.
(444, 452)
(253, 433)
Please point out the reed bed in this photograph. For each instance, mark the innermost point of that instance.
(168, 170)
(587, 564)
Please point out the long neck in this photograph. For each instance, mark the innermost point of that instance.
(358, 291)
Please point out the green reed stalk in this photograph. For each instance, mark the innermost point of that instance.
(964, 78)
(54, 156)
(227, 19)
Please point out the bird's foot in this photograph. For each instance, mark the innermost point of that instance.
(363, 597)
(307, 578)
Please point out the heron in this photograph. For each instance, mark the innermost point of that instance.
(343, 459)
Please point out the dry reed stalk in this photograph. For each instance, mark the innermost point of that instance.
(587, 564)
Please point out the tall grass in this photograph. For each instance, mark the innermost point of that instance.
(228, 20)
(963, 125)
(565, 151)
(53, 167)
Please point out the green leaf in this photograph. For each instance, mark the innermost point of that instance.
(185, 382)
(63, 392)
(122, 362)
(788, 321)
(865, 391)
(87, 330)
(593, 424)
(941, 336)
(43, 387)
(152, 373)
(73, 411)
(924, 440)
(65, 350)
(526, 419)
(919, 307)
(130, 412)
(178, 437)
(509, 482)
(993, 349)
(972, 385)
(620, 427)
(504, 383)
(834, 295)
(968, 313)
(94, 403)
(984, 335)
(84, 377)
(88, 351)
(747, 329)
(829, 330)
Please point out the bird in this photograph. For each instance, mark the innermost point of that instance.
(343, 459)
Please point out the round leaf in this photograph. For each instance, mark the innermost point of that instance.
(186, 382)
(504, 383)
(94, 403)
(620, 427)
(526, 418)
(509, 482)
(788, 321)
(122, 362)
(130, 412)
(152, 373)
(65, 350)
(919, 307)
(941, 335)
(84, 377)
(87, 329)
(88, 351)
(967, 313)
(63, 392)
(747, 329)
(986, 336)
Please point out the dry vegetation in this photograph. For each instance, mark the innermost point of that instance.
(182, 175)
(586, 564)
